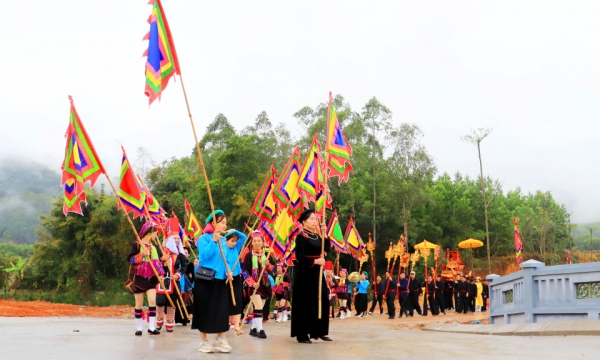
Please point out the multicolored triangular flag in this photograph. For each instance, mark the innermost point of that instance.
(81, 164)
(264, 204)
(282, 228)
(161, 61)
(311, 177)
(337, 147)
(131, 192)
(286, 188)
(192, 228)
(518, 242)
(354, 243)
(334, 232)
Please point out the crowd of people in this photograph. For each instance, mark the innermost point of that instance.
(229, 285)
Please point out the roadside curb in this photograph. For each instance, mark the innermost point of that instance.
(588, 328)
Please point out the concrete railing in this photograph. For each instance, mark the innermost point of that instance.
(540, 293)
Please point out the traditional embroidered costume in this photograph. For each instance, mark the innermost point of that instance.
(144, 279)
(254, 262)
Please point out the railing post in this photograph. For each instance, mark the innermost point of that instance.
(529, 268)
(493, 304)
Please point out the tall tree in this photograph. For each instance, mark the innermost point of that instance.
(376, 119)
(475, 138)
(411, 167)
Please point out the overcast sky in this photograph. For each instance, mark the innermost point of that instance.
(530, 70)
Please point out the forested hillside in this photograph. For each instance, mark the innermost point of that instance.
(26, 192)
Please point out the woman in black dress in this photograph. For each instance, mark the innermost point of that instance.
(306, 324)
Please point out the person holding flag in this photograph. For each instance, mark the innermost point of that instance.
(144, 282)
(254, 262)
(306, 323)
(211, 311)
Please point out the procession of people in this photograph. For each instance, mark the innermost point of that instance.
(228, 294)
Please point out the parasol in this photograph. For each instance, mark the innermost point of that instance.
(471, 244)
(425, 245)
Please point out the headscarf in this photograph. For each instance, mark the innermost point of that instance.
(148, 225)
(210, 216)
(174, 247)
(209, 228)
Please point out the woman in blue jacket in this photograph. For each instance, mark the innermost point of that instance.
(361, 295)
(235, 242)
(211, 297)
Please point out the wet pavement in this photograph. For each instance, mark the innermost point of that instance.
(374, 337)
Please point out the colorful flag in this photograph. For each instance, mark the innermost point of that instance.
(72, 200)
(264, 204)
(283, 227)
(154, 210)
(162, 61)
(354, 244)
(518, 242)
(290, 250)
(192, 228)
(286, 187)
(339, 163)
(131, 192)
(568, 257)
(311, 176)
(321, 201)
(266, 229)
(334, 233)
(81, 163)
(304, 200)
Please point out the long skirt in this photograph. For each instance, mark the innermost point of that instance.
(239, 297)
(211, 308)
(361, 303)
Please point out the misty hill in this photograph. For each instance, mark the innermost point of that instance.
(26, 192)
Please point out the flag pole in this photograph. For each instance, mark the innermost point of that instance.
(171, 272)
(159, 278)
(203, 168)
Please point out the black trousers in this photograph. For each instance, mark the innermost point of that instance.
(464, 303)
(403, 305)
(456, 301)
(440, 304)
(472, 302)
(413, 303)
(433, 305)
(390, 299)
(377, 299)
(448, 300)
(484, 307)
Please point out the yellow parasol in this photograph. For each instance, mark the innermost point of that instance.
(471, 244)
(425, 245)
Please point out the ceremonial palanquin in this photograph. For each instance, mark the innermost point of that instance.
(454, 264)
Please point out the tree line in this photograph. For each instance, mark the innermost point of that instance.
(395, 190)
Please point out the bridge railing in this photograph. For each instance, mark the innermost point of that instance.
(540, 293)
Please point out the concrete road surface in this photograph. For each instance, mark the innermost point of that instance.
(371, 338)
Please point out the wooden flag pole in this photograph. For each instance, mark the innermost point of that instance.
(170, 272)
(326, 190)
(210, 199)
(158, 277)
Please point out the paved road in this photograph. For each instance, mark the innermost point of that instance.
(374, 337)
